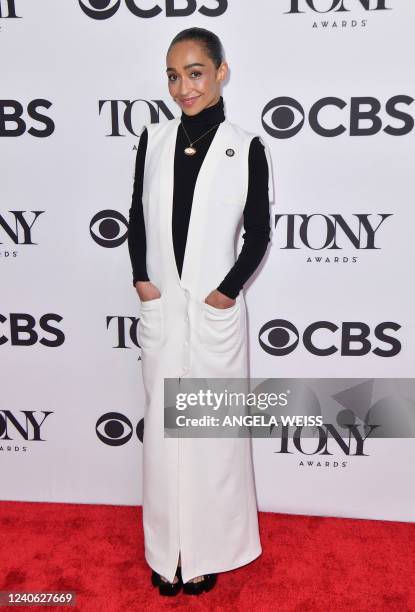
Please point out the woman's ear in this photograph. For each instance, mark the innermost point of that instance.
(223, 71)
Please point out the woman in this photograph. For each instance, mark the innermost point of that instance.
(196, 176)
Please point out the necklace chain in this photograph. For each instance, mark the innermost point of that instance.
(191, 143)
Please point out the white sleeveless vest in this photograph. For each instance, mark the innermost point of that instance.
(198, 494)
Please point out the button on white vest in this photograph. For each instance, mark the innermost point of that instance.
(198, 493)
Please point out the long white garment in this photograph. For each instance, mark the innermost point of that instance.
(198, 493)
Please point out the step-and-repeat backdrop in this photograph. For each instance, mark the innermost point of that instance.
(329, 85)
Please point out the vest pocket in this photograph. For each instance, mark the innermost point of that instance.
(221, 327)
(150, 324)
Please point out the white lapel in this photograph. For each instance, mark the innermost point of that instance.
(206, 173)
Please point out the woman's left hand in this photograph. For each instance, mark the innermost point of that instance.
(219, 300)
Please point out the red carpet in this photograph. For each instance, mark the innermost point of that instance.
(308, 564)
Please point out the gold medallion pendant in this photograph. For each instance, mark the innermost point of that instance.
(190, 150)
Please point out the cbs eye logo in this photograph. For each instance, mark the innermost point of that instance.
(100, 9)
(285, 117)
(278, 337)
(111, 228)
(115, 429)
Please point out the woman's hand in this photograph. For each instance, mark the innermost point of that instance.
(219, 300)
(147, 291)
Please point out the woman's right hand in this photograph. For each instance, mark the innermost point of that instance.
(147, 291)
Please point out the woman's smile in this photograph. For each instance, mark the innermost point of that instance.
(189, 101)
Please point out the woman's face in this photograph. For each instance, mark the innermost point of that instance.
(194, 81)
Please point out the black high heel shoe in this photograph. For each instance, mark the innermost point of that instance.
(166, 588)
(196, 588)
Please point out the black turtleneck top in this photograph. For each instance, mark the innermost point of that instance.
(186, 169)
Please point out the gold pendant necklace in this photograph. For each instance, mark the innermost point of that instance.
(191, 150)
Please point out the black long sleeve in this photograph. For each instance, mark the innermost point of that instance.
(256, 223)
(137, 245)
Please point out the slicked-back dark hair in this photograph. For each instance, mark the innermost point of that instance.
(208, 39)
